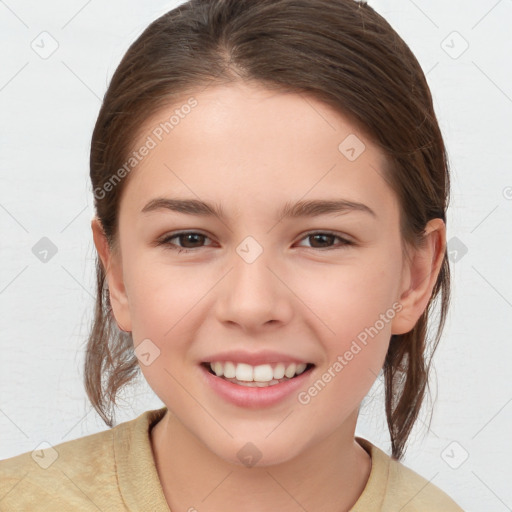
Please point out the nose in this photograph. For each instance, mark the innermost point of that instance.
(253, 295)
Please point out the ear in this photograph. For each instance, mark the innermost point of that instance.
(114, 272)
(419, 276)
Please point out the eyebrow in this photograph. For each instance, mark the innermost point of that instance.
(312, 208)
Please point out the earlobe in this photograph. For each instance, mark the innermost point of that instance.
(419, 277)
(114, 276)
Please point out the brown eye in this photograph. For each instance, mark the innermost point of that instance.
(321, 240)
(187, 241)
(191, 240)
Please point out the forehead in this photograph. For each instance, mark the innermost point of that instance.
(246, 143)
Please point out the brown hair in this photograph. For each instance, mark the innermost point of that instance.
(339, 51)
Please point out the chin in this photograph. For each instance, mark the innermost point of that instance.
(260, 452)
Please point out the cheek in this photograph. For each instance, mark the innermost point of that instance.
(163, 305)
(348, 298)
(161, 296)
(357, 307)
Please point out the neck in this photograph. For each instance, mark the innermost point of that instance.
(327, 477)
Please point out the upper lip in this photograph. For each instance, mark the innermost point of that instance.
(254, 358)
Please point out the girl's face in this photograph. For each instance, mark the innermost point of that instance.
(319, 285)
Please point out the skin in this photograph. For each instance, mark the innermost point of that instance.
(251, 150)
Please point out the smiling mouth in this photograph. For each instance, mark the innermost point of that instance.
(258, 376)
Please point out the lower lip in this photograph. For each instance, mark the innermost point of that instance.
(254, 397)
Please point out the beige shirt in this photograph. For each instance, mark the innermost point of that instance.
(114, 470)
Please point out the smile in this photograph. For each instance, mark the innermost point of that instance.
(255, 386)
(257, 376)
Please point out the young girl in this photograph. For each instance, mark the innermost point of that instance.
(270, 188)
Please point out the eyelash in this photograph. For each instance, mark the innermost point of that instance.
(167, 241)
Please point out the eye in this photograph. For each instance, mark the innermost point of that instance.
(325, 239)
(191, 240)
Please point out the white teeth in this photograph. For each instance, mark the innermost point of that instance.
(229, 370)
(260, 374)
(300, 368)
(244, 372)
(279, 371)
(263, 373)
(290, 370)
(217, 368)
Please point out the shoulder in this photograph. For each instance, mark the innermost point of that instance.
(75, 475)
(408, 487)
(58, 476)
(394, 486)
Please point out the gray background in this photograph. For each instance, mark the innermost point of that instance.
(48, 106)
